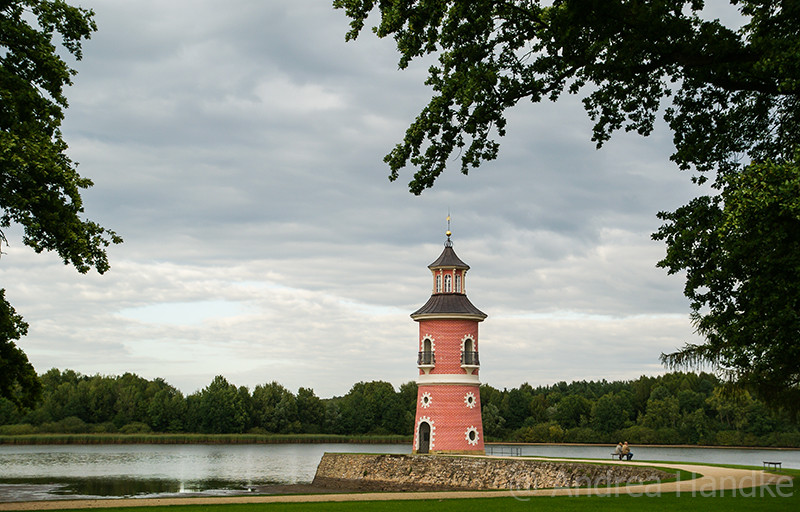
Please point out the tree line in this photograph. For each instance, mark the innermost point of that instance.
(75, 403)
(675, 408)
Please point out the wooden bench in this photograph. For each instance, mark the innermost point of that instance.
(772, 464)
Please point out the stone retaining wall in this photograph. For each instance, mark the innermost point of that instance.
(389, 472)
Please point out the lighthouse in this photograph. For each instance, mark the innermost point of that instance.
(448, 418)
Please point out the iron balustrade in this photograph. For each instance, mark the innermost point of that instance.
(469, 358)
(426, 357)
(513, 451)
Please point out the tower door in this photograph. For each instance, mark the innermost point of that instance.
(424, 437)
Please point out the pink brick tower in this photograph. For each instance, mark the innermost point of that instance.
(448, 416)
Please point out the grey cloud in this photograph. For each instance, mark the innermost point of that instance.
(238, 150)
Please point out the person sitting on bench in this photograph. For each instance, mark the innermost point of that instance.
(626, 452)
(618, 450)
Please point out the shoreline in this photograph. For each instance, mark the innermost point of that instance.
(234, 439)
(207, 439)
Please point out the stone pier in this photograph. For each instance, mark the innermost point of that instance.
(391, 472)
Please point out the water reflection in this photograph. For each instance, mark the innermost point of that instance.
(116, 487)
(35, 489)
(29, 473)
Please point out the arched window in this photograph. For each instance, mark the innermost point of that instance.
(448, 283)
(469, 356)
(458, 283)
(439, 283)
(426, 356)
(469, 345)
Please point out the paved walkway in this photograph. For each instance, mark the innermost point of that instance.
(744, 481)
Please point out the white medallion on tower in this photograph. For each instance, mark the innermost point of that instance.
(469, 400)
(471, 436)
(425, 400)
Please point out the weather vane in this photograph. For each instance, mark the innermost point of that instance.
(448, 243)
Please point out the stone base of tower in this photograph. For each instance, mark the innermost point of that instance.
(396, 472)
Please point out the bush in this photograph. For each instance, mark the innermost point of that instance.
(540, 433)
(582, 435)
(21, 429)
(70, 425)
(728, 438)
(378, 431)
(638, 435)
(136, 427)
(667, 436)
(751, 439)
(8, 412)
(105, 428)
(736, 438)
(783, 439)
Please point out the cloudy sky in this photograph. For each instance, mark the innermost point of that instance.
(237, 148)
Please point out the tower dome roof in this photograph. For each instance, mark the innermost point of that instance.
(448, 304)
(448, 259)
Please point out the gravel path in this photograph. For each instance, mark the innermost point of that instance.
(746, 482)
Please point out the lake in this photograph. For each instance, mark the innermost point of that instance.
(113, 471)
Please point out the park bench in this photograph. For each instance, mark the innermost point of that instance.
(772, 464)
(617, 456)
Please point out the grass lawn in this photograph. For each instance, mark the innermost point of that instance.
(772, 499)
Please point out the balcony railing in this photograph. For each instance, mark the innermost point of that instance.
(426, 358)
(469, 358)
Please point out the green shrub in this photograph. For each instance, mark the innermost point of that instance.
(540, 433)
(638, 434)
(8, 412)
(782, 439)
(728, 438)
(20, 429)
(667, 436)
(136, 427)
(736, 438)
(582, 435)
(69, 425)
(750, 439)
(104, 428)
